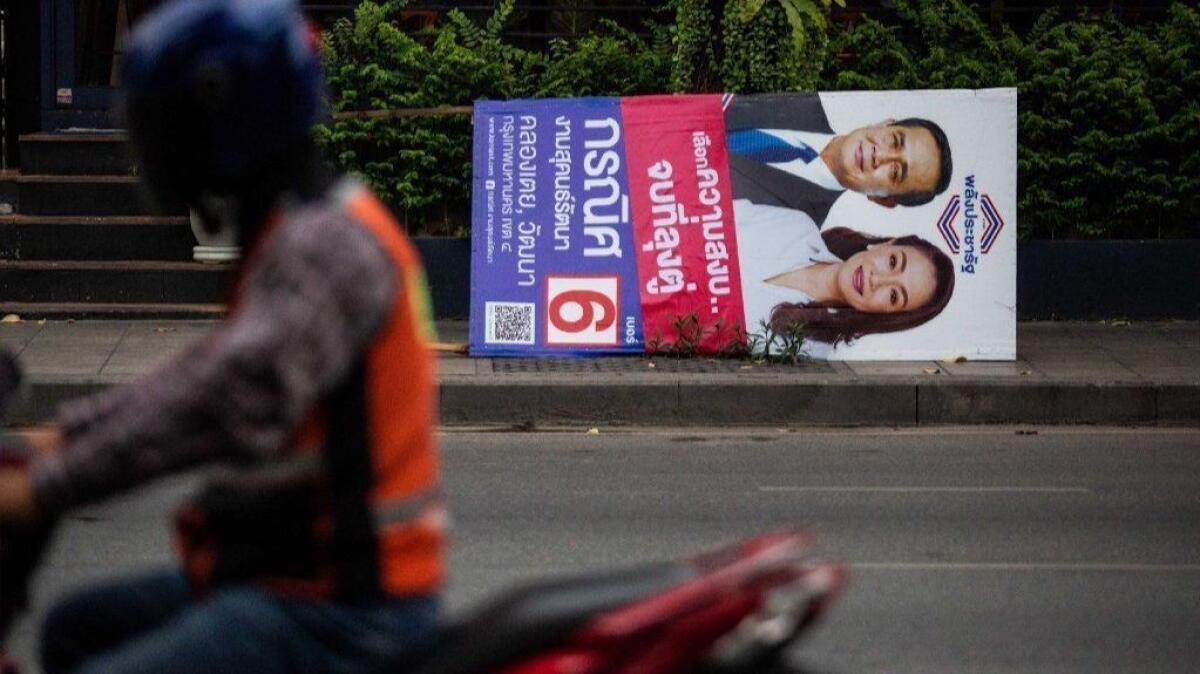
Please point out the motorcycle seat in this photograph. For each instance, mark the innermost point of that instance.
(541, 616)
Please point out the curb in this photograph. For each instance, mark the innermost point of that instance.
(710, 401)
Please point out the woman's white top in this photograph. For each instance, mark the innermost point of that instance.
(773, 240)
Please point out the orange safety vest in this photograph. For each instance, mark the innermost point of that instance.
(386, 518)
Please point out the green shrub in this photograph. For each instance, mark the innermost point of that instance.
(609, 62)
(1109, 119)
(767, 53)
(747, 46)
(694, 63)
(1109, 116)
(422, 166)
(1110, 128)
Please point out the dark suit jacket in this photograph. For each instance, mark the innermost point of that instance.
(762, 183)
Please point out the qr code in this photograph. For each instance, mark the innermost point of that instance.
(509, 323)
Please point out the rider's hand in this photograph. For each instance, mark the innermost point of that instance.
(16, 497)
(44, 439)
(17, 505)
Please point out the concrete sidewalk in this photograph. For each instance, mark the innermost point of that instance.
(1067, 373)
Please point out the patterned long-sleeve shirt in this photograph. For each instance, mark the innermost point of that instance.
(310, 303)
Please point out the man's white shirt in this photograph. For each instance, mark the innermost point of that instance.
(815, 172)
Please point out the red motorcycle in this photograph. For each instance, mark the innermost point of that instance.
(730, 611)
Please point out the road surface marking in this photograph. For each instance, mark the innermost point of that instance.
(930, 490)
(1025, 566)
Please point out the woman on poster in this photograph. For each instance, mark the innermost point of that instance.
(839, 284)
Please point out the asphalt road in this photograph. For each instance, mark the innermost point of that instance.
(976, 550)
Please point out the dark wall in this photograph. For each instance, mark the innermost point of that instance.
(23, 71)
(448, 268)
(1093, 280)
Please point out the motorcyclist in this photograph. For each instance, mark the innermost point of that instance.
(323, 551)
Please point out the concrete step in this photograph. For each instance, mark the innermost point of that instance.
(33, 311)
(76, 153)
(8, 191)
(81, 195)
(42, 237)
(113, 282)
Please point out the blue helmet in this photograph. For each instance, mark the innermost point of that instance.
(219, 93)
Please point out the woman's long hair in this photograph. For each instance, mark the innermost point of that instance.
(844, 324)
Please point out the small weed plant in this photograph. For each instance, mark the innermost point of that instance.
(784, 345)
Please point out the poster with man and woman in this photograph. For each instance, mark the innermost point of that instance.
(873, 225)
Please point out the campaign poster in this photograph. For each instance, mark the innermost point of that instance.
(876, 225)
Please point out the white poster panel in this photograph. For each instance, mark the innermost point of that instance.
(885, 222)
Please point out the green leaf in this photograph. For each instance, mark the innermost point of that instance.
(806, 7)
(751, 8)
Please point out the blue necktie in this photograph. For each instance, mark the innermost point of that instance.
(767, 148)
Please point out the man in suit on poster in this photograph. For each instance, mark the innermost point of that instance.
(783, 152)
